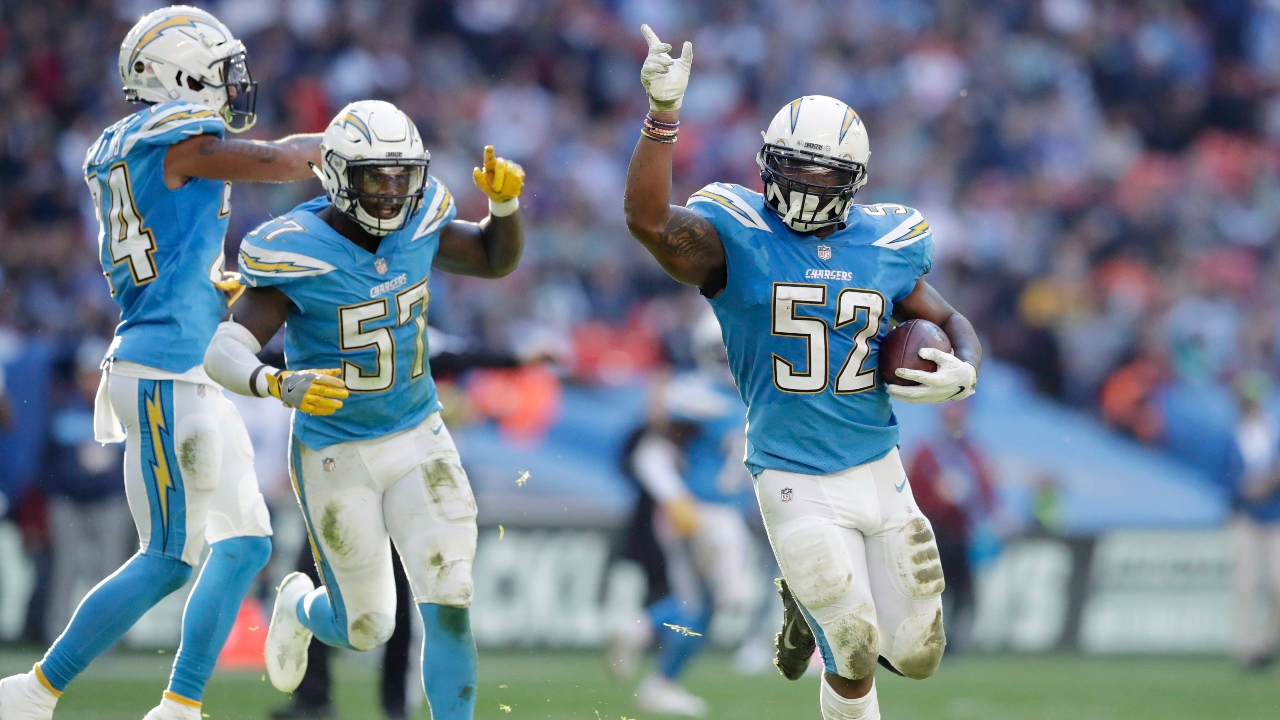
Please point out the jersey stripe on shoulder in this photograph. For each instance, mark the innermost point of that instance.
(911, 230)
(439, 210)
(256, 261)
(738, 209)
(187, 118)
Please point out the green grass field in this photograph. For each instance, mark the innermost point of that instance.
(575, 686)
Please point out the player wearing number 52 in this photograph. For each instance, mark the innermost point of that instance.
(372, 462)
(804, 283)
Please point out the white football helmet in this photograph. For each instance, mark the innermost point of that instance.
(184, 53)
(813, 161)
(374, 165)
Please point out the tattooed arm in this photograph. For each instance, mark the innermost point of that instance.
(206, 156)
(683, 242)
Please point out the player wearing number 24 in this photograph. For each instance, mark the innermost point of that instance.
(804, 283)
(372, 463)
(160, 181)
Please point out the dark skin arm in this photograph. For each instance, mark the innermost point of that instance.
(683, 242)
(490, 248)
(205, 156)
(924, 303)
(262, 311)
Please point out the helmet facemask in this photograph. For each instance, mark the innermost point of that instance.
(242, 94)
(380, 195)
(808, 190)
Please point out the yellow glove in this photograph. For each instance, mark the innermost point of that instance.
(502, 180)
(684, 514)
(231, 285)
(314, 392)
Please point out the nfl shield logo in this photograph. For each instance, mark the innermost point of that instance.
(824, 252)
(786, 494)
(329, 464)
(381, 264)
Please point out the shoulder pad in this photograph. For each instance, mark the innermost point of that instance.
(897, 225)
(437, 209)
(730, 198)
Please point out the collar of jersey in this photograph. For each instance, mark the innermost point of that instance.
(318, 227)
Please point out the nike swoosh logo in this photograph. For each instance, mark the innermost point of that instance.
(899, 487)
(436, 430)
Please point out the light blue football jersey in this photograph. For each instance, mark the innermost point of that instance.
(713, 456)
(802, 319)
(352, 309)
(160, 249)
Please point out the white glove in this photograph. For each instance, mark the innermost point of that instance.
(663, 78)
(954, 380)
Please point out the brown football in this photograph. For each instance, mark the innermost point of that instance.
(901, 349)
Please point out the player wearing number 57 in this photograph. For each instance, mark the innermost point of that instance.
(372, 462)
(804, 283)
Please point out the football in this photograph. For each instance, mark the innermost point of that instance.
(901, 349)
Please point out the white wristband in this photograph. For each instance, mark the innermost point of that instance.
(504, 208)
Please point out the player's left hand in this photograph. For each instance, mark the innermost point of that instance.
(953, 380)
(231, 285)
(500, 179)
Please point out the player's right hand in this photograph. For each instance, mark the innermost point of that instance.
(684, 515)
(664, 78)
(314, 392)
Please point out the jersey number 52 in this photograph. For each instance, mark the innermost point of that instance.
(851, 305)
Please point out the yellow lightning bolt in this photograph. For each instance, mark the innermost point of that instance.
(155, 418)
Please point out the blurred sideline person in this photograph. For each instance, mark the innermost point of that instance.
(347, 275)
(1254, 526)
(314, 696)
(952, 485)
(687, 463)
(88, 516)
(160, 181)
(804, 282)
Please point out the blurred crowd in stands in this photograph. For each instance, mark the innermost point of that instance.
(1102, 176)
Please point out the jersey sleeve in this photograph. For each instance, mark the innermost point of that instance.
(438, 209)
(278, 255)
(912, 239)
(728, 212)
(172, 123)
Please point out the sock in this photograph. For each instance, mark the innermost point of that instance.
(676, 648)
(448, 661)
(212, 609)
(107, 613)
(315, 612)
(835, 707)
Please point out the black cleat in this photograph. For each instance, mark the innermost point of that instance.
(795, 644)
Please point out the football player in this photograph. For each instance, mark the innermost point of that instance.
(161, 185)
(347, 275)
(687, 461)
(804, 283)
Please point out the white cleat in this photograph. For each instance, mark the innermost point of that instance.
(24, 697)
(287, 638)
(665, 697)
(173, 709)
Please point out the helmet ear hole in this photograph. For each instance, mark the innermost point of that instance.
(194, 84)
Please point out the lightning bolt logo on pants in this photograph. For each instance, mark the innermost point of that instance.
(159, 462)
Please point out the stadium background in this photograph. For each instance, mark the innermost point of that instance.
(1103, 181)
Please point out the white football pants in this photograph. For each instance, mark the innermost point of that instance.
(408, 487)
(188, 466)
(862, 560)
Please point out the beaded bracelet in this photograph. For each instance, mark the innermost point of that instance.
(659, 131)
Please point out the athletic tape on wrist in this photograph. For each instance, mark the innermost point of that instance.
(504, 208)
